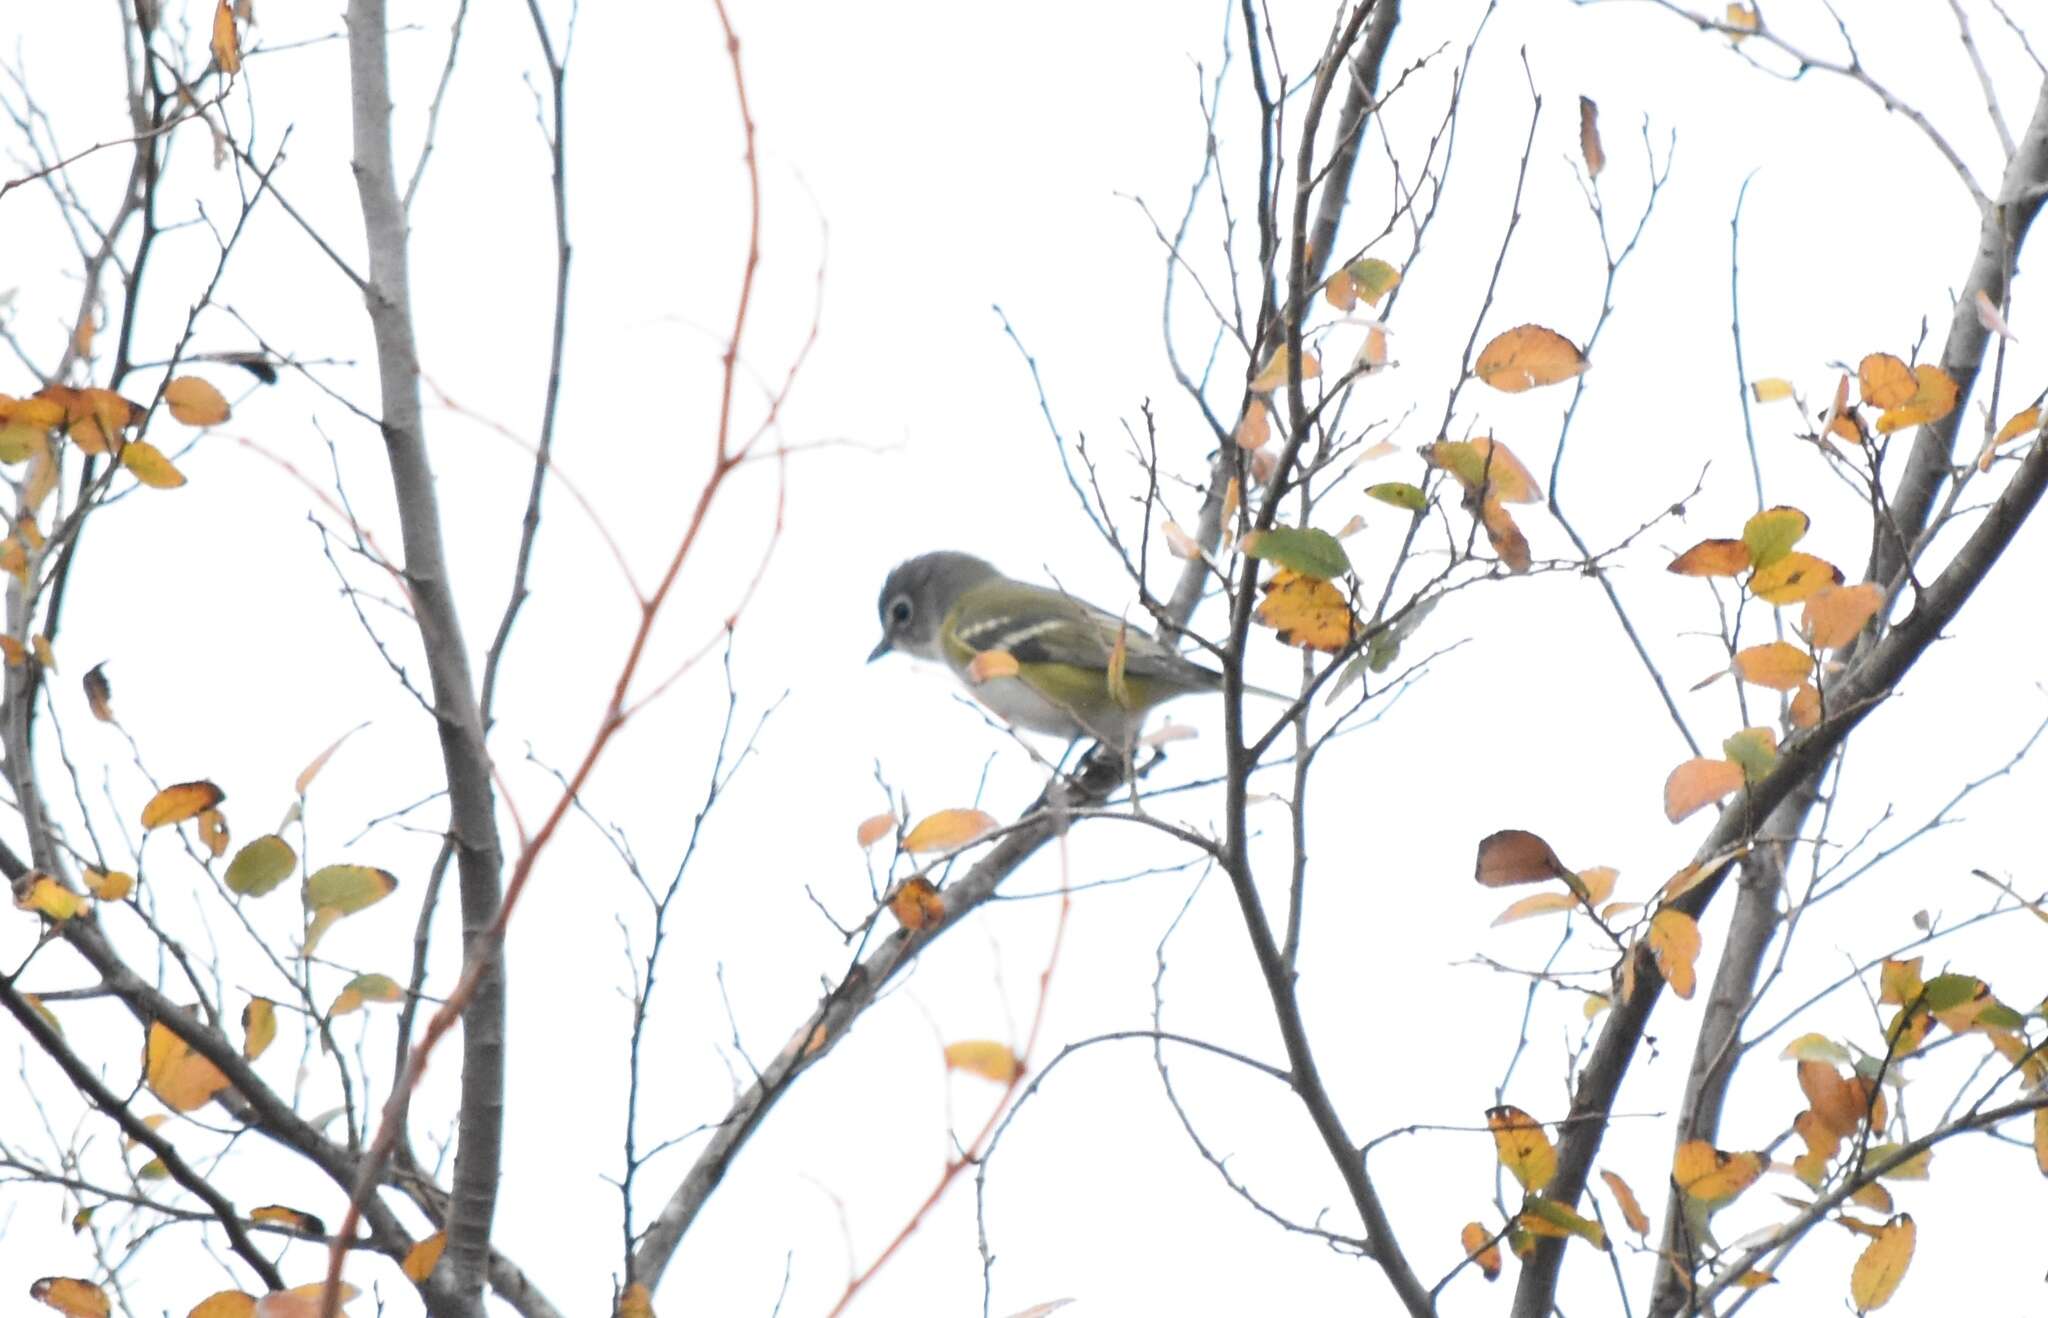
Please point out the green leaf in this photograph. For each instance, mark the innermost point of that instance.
(1373, 277)
(1399, 493)
(1771, 534)
(1944, 992)
(261, 866)
(1753, 750)
(1310, 552)
(347, 888)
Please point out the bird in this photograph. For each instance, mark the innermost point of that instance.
(948, 607)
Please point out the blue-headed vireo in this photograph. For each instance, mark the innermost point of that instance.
(950, 608)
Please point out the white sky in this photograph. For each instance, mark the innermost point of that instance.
(963, 156)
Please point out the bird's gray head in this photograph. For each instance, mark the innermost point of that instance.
(916, 597)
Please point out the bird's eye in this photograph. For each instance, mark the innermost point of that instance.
(899, 610)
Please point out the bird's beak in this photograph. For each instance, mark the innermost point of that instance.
(881, 648)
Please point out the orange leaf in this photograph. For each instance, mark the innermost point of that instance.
(1631, 1211)
(1523, 1147)
(1885, 381)
(1675, 942)
(1542, 903)
(1482, 1248)
(916, 904)
(107, 885)
(1507, 538)
(181, 801)
(1779, 665)
(1589, 137)
(182, 1078)
(279, 1215)
(1806, 710)
(1514, 855)
(1835, 615)
(1712, 558)
(99, 696)
(1253, 428)
(948, 830)
(194, 402)
(1698, 783)
(71, 1297)
(873, 829)
(227, 47)
(1528, 357)
(984, 1057)
(225, 1304)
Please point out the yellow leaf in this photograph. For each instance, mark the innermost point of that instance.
(1712, 1177)
(108, 885)
(420, 1259)
(180, 802)
(1528, 357)
(183, 1079)
(873, 829)
(1742, 18)
(1340, 292)
(259, 1027)
(1273, 375)
(1883, 1264)
(2022, 423)
(362, 989)
(72, 1297)
(35, 891)
(2041, 1139)
(150, 466)
(1793, 578)
(1898, 981)
(1675, 942)
(1484, 464)
(636, 1301)
(1771, 389)
(1515, 855)
(1779, 665)
(1631, 1211)
(227, 47)
(1482, 1248)
(983, 1057)
(1306, 612)
(194, 402)
(1698, 783)
(44, 654)
(225, 1304)
(1524, 1149)
(948, 830)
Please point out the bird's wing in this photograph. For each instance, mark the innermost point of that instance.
(1090, 643)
